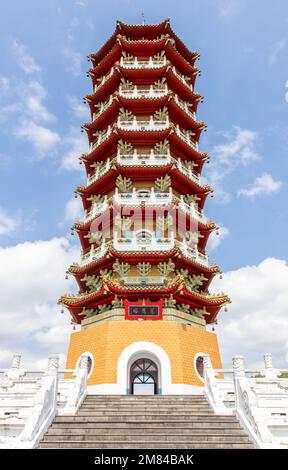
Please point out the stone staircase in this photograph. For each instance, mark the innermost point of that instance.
(146, 422)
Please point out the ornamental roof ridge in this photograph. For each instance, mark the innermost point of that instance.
(124, 39)
(214, 298)
(163, 23)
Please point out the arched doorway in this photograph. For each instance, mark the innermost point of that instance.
(144, 377)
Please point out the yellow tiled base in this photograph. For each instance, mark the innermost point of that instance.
(107, 341)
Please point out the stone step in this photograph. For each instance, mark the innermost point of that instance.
(161, 438)
(141, 409)
(144, 413)
(146, 422)
(141, 445)
(152, 406)
(131, 419)
(128, 430)
(145, 426)
(139, 398)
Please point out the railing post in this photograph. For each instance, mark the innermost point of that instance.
(238, 372)
(53, 365)
(14, 371)
(16, 361)
(270, 373)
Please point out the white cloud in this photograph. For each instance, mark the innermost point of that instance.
(76, 144)
(215, 240)
(24, 58)
(8, 224)
(74, 60)
(257, 320)
(264, 184)
(286, 94)
(275, 51)
(23, 111)
(43, 139)
(239, 149)
(79, 109)
(73, 209)
(32, 277)
(80, 3)
(34, 94)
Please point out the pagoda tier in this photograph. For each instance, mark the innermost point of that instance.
(144, 233)
(180, 144)
(185, 218)
(144, 78)
(149, 32)
(139, 107)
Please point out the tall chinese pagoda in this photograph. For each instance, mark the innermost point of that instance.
(144, 276)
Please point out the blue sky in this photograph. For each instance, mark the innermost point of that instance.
(244, 81)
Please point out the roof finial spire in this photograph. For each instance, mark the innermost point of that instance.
(143, 18)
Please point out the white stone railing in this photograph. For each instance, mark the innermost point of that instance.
(259, 398)
(193, 253)
(103, 79)
(149, 197)
(191, 174)
(30, 399)
(185, 107)
(186, 138)
(103, 107)
(143, 280)
(149, 92)
(101, 138)
(137, 125)
(138, 159)
(94, 254)
(134, 243)
(142, 63)
(182, 79)
(96, 209)
(99, 172)
(192, 210)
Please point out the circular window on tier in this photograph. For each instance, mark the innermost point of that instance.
(144, 237)
(199, 365)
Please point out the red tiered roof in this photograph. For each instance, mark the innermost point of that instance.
(108, 72)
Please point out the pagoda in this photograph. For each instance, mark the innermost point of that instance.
(144, 275)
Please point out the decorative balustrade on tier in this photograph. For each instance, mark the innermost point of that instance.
(186, 138)
(138, 159)
(143, 241)
(103, 107)
(99, 172)
(94, 254)
(103, 79)
(147, 197)
(193, 253)
(192, 210)
(101, 137)
(143, 196)
(185, 106)
(182, 78)
(96, 209)
(141, 63)
(144, 280)
(147, 92)
(137, 125)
